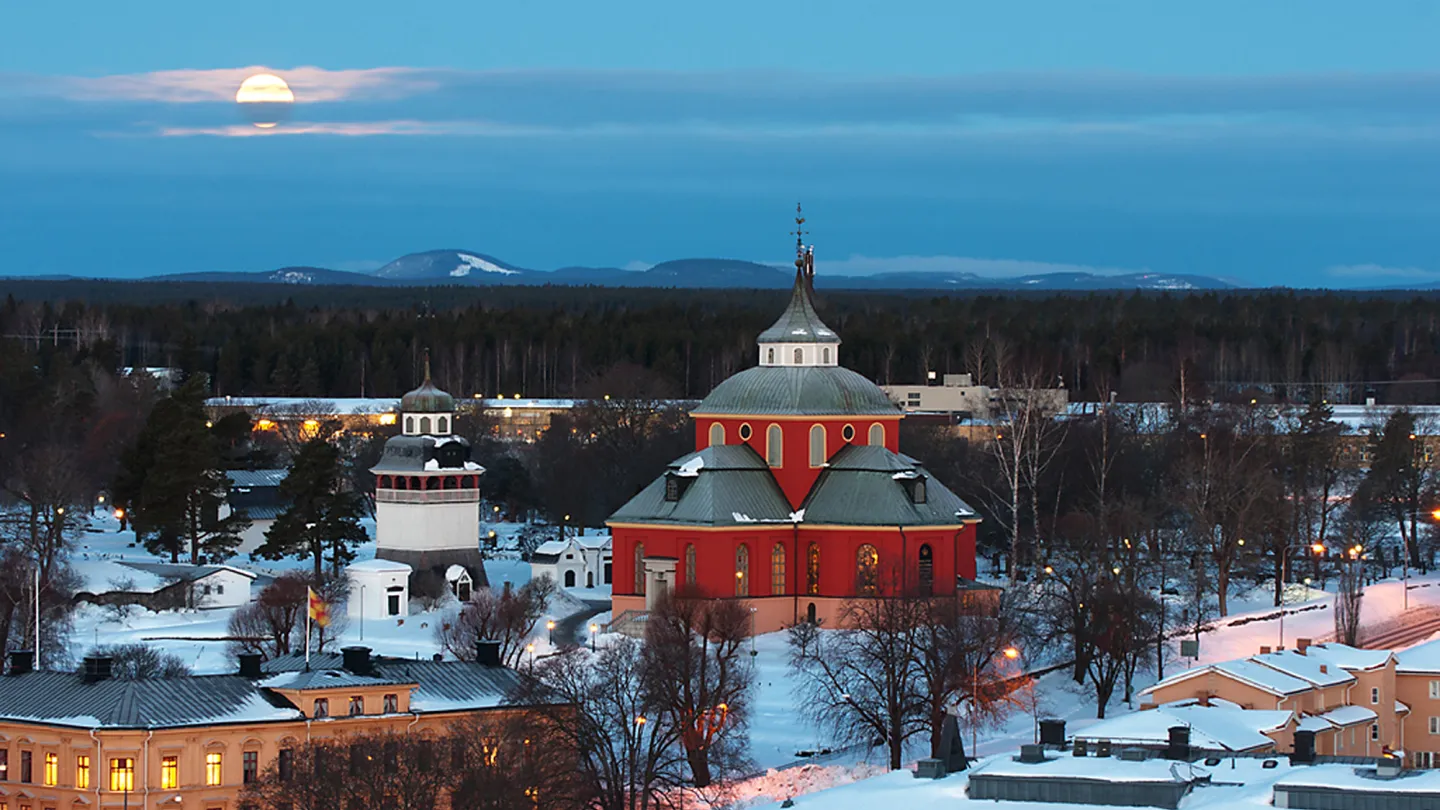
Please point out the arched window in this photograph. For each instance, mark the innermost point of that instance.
(717, 434)
(812, 569)
(425, 425)
(927, 570)
(877, 435)
(825, 354)
(777, 570)
(640, 569)
(409, 424)
(770, 357)
(569, 579)
(690, 564)
(867, 571)
(742, 570)
(774, 446)
(817, 446)
(443, 426)
(799, 356)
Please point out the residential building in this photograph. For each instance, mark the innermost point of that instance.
(575, 562)
(163, 586)
(72, 740)
(256, 495)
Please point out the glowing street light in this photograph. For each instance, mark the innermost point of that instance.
(550, 629)
(594, 629)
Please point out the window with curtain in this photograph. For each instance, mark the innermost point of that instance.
(690, 564)
(812, 569)
(877, 434)
(82, 772)
(742, 571)
(817, 445)
(640, 569)
(169, 772)
(777, 570)
(52, 770)
(867, 571)
(774, 446)
(214, 768)
(122, 774)
(717, 434)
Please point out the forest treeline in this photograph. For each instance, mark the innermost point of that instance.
(554, 341)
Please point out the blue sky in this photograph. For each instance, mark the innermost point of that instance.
(1275, 143)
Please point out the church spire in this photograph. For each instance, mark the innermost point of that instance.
(799, 337)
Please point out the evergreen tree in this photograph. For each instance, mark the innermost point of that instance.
(171, 484)
(323, 519)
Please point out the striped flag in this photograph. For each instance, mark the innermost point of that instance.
(319, 610)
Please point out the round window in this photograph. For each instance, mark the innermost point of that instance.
(848, 432)
(745, 432)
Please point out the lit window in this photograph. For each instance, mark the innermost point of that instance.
(213, 763)
(122, 775)
(4, 764)
(742, 571)
(867, 570)
(357, 706)
(392, 704)
(52, 769)
(250, 766)
(777, 570)
(322, 707)
(169, 773)
(812, 569)
(82, 772)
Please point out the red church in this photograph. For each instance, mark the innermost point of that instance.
(796, 498)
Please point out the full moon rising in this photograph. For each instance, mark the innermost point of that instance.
(265, 99)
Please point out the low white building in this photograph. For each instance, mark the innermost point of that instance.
(575, 562)
(379, 589)
(163, 586)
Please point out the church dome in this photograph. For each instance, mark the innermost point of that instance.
(427, 398)
(797, 391)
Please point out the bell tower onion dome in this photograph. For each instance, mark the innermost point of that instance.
(427, 410)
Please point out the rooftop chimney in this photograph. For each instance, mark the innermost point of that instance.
(1301, 644)
(1324, 670)
(487, 653)
(1265, 649)
(250, 666)
(97, 668)
(22, 662)
(356, 659)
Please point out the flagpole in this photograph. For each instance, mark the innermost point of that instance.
(307, 637)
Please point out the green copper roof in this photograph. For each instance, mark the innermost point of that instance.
(725, 485)
(865, 485)
(797, 390)
(427, 398)
(799, 323)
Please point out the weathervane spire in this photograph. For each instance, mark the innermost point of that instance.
(804, 257)
(427, 367)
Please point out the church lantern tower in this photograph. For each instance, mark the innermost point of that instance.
(427, 490)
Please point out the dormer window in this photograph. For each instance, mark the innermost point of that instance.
(675, 486)
(915, 488)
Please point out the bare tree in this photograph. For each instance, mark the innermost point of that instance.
(862, 683)
(508, 618)
(135, 662)
(696, 672)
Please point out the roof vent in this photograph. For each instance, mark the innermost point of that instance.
(22, 662)
(356, 660)
(1264, 650)
(97, 668)
(1301, 644)
(250, 665)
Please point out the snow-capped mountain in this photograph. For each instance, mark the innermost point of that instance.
(452, 266)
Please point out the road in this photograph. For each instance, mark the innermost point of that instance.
(567, 630)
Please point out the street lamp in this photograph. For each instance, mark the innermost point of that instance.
(1318, 549)
(550, 632)
(594, 628)
(1010, 654)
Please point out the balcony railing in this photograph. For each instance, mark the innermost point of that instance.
(427, 495)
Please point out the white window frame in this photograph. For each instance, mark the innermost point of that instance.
(1374, 696)
(1435, 690)
(1435, 725)
(1374, 732)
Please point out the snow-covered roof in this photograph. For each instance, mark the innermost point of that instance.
(1305, 667)
(1215, 727)
(1349, 716)
(143, 576)
(1401, 708)
(1068, 767)
(551, 547)
(379, 565)
(1421, 659)
(1258, 675)
(1352, 778)
(595, 541)
(1347, 657)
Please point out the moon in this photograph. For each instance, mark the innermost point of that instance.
(265, 99)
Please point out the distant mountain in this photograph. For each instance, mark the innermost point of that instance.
(470, 268)
(285, 275)
(453, 267)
